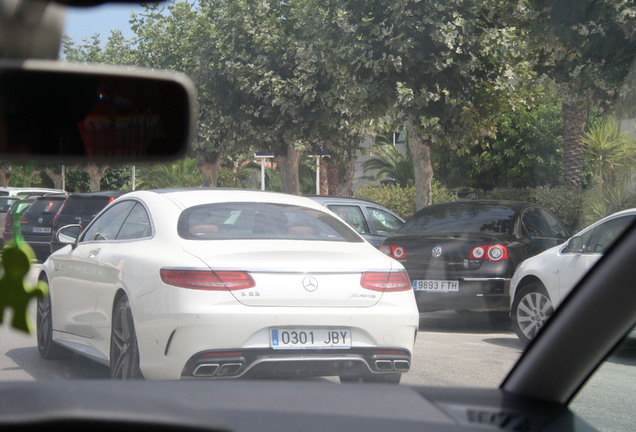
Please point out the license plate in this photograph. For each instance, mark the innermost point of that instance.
(302, 338)
(436, 285)
(41, 229)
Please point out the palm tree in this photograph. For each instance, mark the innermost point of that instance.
(390, 166)
(611, 153)
(182, 173)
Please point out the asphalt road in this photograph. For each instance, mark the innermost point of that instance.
(466, 350)
(452, 349)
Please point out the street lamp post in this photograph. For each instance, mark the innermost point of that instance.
(318, 156)
(263, 156)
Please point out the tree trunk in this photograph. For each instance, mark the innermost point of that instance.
(289, 169)
(95, 174)
(209, 170)
(5, 175)
(55, 177)
(324, 176)
(421, 154)
(574, 115)
(333, 180)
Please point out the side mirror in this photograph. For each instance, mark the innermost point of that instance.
(69, 234)
(574, 245)
(53, 111)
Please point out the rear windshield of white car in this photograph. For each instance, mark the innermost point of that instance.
(261, 221)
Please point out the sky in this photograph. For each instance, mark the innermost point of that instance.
(83, 23)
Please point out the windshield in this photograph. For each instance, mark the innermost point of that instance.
(513, 121)
(233, 221)
(463, 217)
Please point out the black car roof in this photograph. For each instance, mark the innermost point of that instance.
(513, 205)
(98, 193)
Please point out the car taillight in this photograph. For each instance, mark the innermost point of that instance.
(491, 252)
(386, 281)
(207, 279)
(397, 252)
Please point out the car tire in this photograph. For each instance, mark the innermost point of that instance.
(530, 311)
(47, 347)
(388, 378)
(124, 351)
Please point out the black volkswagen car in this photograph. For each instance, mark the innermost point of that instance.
(461, 255)
(36, 223)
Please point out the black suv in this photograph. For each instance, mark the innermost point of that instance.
(80, 208)
(36, 223)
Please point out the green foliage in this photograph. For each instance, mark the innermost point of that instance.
(612, 153)
(401, 199)
(390, 166)
(116, 179)
(77, 181)
(525, 152)
(182, 173)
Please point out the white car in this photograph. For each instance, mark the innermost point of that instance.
(541, 282)
(226, 283)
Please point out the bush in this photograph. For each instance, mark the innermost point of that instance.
(401, 199)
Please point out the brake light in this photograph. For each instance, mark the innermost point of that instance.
(207, 280)
(397, 252)
(490, 252)
(386, 281)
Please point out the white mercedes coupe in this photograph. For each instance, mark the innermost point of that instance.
(210, 283)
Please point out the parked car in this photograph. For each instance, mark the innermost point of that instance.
(27, 191)
(16, 209)
(5, 205)
(80, 208)
(37, 221)
(541, 283)
(371, 220)
(300, 289)
(461, 255)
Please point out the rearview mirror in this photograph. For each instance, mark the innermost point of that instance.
(52, 111)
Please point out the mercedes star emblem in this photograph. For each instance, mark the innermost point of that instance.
(310, 283)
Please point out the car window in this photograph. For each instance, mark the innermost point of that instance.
(108, 224)
(352, 215)
(136, 225)
(489, 218)
(86, 206)
(262, 221)
(384, 223)
(45, 205)
(606, 401)
(538, 225)
(606, 233)
(5, 204)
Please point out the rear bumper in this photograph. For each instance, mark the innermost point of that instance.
(255, 363)
(476, 294)
(192, 338)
